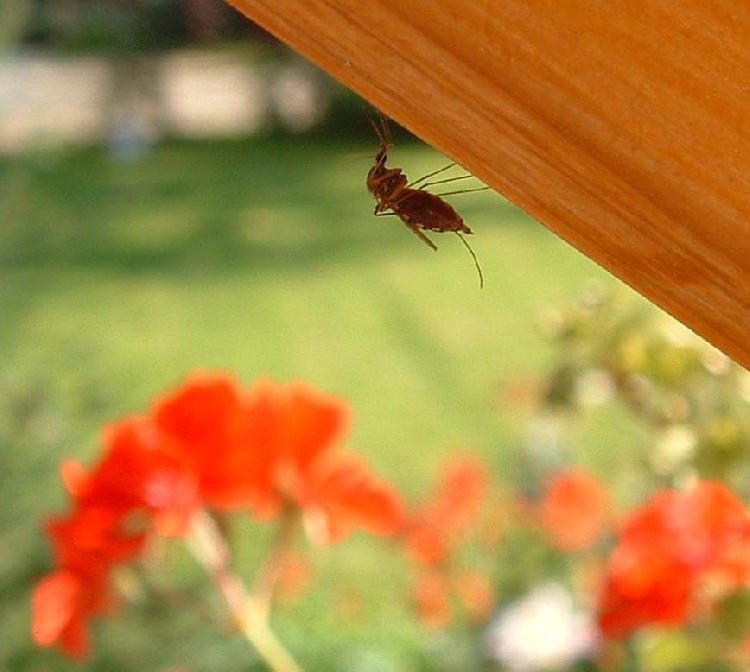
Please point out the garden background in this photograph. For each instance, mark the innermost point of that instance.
(135, 252)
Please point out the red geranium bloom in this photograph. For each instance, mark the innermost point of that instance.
(136, 481)
(666, 548)
(432, 595)
(141, 470)
(714, 532)
(573, 510)
(453, 506)
(342, 494)
(93, 539)
(272, 448)
(208, 443)
(643, 586)
(475, 593)
(62, 604)
(207, 420)
(87, 545)
(295, 428)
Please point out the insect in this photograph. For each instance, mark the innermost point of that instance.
(416, 207)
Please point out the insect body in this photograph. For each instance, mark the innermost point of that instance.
(417, 208)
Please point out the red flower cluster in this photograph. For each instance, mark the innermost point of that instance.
(669, 547)
(434, 529)
(208, 444)
(574, 510)
(431, 537)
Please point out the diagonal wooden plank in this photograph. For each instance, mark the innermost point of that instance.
(621, 126)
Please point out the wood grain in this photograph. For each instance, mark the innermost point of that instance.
(623, 127)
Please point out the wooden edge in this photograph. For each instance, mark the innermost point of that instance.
(622, 127)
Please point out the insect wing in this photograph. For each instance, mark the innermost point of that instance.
(427, 211)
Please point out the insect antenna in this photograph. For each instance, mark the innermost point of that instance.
(386, 129)
(381, 128)
(357, 156)
(474, 257)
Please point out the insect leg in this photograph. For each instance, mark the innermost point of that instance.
(414, 228)
(422, 237)
(432, 174)
(462, 191)
(427, 185)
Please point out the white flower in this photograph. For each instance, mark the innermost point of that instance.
(674, 447)
(542, 631)
(594, 388)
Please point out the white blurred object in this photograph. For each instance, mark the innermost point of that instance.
(674, 447)
(299, 97)
(542, 631)
(544, 446)
(594, 388)
(211, 94)
(50, 101)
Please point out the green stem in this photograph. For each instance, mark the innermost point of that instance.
(250, 615)
(267, 577)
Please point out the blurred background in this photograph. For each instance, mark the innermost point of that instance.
(179, 191)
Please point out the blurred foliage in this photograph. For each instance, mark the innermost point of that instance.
(685, 408)
(693, 400)
(14, 17)
(618, 357)
(90, 26)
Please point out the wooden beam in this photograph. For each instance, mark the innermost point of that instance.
(623, 127)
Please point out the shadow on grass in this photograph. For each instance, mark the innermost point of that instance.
(267, 205)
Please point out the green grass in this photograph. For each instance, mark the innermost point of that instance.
(263, 258)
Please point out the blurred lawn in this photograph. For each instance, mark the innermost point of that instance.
(261, 257)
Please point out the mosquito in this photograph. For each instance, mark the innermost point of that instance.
(416, 207)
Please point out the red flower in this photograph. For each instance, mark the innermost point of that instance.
(207, 444)
(207, 420)
(715, 532)
(643, 586)
(93, 539)
(342, 494)
(431, 595)
(307, 422)
(87, 545)
(430, 538)
(266, 449)
(141, 470)
(454, 504)
(573, 510)
(434, 592)
(474, 592)
(666, 548)
(62, 604)
(295, 429)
